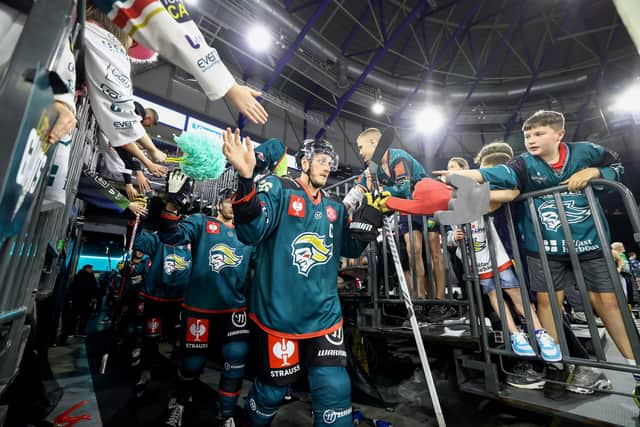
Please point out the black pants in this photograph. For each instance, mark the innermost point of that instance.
(81, 312)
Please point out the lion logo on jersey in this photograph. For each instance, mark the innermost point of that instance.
(222, 256)
(550, 218)
(309, 250)
(173, 263)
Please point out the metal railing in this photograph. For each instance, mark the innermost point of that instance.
(381, 293)
(29, 234)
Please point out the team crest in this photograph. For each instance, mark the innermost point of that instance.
(550, 218)
(222, 256)
(296, 206)
(173, 263)
(309, 250)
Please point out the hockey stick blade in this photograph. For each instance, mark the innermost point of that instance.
(469, 201)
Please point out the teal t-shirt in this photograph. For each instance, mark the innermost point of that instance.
(530, 173)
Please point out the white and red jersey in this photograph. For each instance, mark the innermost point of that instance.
(108, 74)
(481, 248)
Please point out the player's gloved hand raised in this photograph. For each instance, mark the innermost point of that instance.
(365, 223)
(179, 187)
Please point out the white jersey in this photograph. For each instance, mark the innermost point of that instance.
(481, 248)
(168, 28)
(108, 74)
(112, 165)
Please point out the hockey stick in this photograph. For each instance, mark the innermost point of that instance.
(118, 319)
(388, 233)
(383, 145)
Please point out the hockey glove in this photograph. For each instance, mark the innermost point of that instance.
(379, 202)
(365, 223)
(179, 187)
(354, 198)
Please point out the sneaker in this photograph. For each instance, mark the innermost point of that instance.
(587, 380)
(229, 422)
(520, 345)
(441, 312)
(554, 390)
(176, 412)
(143, 382)
(525, 377)
(549, 350)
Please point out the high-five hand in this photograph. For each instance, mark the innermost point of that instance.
(244, 99)
(240, 155)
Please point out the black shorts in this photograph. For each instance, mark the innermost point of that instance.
(202, 330)
(595, 272)
(281, 360)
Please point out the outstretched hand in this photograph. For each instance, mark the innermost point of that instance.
(244, 99)
(241, 156)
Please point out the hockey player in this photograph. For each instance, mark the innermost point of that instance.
(300, 235)
(214, 300)
(159, 297)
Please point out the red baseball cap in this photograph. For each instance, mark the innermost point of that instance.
(429, 196)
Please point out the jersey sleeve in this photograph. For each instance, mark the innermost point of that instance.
(175, 232)
(505, 177)
(171, 31)
(257, 210)
(96, 190)
(607, 161)
(402, 171)
(110, 90)
(146, 243)
(66, 69)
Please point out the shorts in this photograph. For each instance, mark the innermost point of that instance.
(417, 224)
(282, 359)
(595, 272)
(508, 280)
(202, 330)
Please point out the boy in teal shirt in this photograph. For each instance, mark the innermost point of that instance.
(551, 162)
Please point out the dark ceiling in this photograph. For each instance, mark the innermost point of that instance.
(457, 48)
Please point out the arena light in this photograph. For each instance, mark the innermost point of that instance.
(377, 108)
(627, 101)
(429, 119)
(259, 38)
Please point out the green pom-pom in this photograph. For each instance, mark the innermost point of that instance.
(204, 158)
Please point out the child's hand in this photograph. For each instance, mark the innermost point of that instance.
(579, 180)
(244, 99)
(458, 234)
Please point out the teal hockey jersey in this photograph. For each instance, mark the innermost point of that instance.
(168, 268)
(220, 263)
(299, 240)
(405, 173)
(529, 173)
